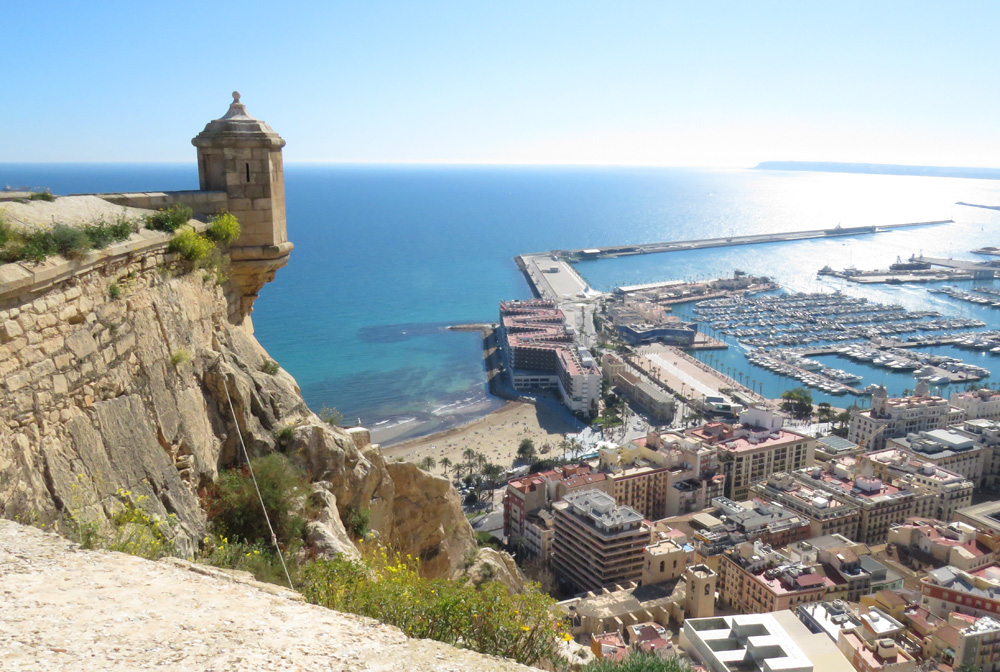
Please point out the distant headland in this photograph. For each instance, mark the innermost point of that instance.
(882, 169)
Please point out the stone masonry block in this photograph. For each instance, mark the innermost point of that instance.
(261, 203)
(16, 381)
(10, 330)
(81, 343)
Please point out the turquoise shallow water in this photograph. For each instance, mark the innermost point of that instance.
(387, 256)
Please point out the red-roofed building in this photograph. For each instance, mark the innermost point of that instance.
(609, 646)
(530, 493)
(540, 351)
(754, 449)
(756, 579)
(938, 543)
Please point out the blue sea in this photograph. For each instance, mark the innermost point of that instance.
(387, 257)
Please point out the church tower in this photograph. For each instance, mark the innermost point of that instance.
(699, 601)
(241, 156)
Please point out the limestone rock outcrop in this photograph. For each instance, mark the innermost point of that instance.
(428, 521)
(492, 565)
(151, 389)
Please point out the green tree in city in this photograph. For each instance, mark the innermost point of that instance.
(526, 451)
(798, 402)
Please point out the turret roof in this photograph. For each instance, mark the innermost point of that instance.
(238, 128)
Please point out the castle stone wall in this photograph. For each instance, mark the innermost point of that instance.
(200, 202)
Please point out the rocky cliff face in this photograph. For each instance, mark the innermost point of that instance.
(134, 392)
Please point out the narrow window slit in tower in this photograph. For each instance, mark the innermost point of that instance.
(248, 172)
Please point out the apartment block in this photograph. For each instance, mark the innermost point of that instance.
(539, 351)
(951, 449)
(596, 542)
(893, 418)
(827, 513)
(936, 542)
(756, 579)
(979, 645)
(987, 433)
(882, 505)
(767, 522)
(984, 403)
(754, 449)
(952, 490)
(533, 492)
(663, 475)
(949, 589)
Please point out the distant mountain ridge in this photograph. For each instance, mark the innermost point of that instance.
(882, 169)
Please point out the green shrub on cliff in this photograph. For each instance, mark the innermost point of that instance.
(102, 233)
(234, 510)
(638, 662)
(72, 242)
(387, 586)
(191, 245)
(223, 228)
(169, 219)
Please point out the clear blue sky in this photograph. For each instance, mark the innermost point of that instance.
(661, 83)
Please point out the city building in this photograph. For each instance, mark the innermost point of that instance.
(951, 449)
(640, 322)
(773, 642)
(829, 618)
(827, 513)
(769, 523)
(755, 448)
(952, 490)
(832, 447)
(984, 516)
(539, 351)
(756, 579)
(984, 403)
(533, 492)
(663, 475)
(853, 571)
(877, 646)
(538, 532)
(609, 646)
(936, 543)
(650, 637)
(893, 418)
(882, 505)
(948, 589)
(619, 608)
(987, 433)
(979, 645)
(596, 542)
(635, 386)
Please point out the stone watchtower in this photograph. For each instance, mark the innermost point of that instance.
(241, 156)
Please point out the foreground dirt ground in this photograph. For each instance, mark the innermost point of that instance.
(62, 608)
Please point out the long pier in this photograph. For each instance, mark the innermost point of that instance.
(729, 241)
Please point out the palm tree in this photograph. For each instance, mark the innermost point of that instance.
(445, 465)
(469, 455)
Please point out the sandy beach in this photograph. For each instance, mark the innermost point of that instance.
(496, 435)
